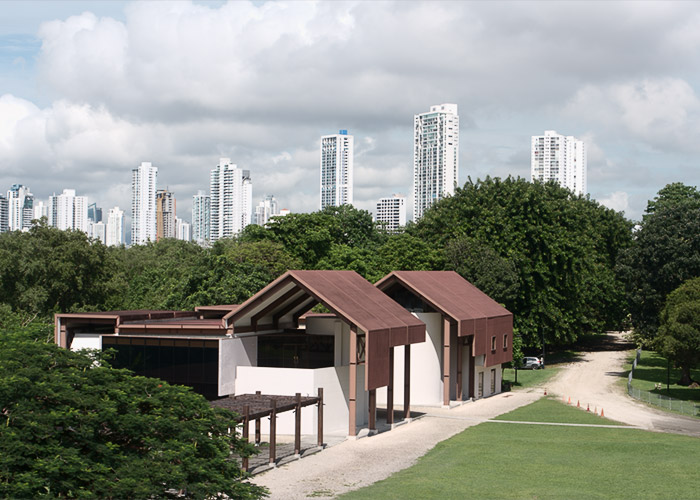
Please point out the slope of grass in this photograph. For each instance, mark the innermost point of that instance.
(552, 410)
(653, 369)
(520, 461)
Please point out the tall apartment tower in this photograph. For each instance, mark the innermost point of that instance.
(165, 214)
(115, 227)
(68, 211)
(4, 215)
(20, 208)
(182, 229)
(561, 159)
(336, 169)
(391, 212)
(435, 156)
(143, 203)
(266, 208)
(94, 213)
(201, 212)
(231, 200)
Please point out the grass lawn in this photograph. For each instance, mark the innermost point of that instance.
(553, 410)
(652, 370)
(530, 378)
(504, 461)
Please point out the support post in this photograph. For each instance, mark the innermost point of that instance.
(390, 390)
(472, 371)
(273, 431)
(352, 403)
(297, 426)
(246, 433)
(257, 426)
(372, 410)
(446, 360)
(407, 381)
(320, 416)
(460, 348)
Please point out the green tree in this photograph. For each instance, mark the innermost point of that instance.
(561, 247)
(665, 253)
(679, 332)
(72, 427)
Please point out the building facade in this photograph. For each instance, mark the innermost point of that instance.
(555, 157)
(4, 215)
(267, 208)
(20, 208)
(201, 212)
(114, 230)
(143, 203)
(391, 212)
(68, 211)
(231, 191)
(182, 229)
(94, 212)
(336, 169)
(435, 156)
(165, 214)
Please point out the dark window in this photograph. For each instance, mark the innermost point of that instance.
(296, 350)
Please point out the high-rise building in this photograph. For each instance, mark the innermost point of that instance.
(336, 169)
(165, 214)
(231, 200)
(182, 229)
(266, 209)
(115, 227)
(391, 212)
(94, 213)
(97, 230)
(143, 203)
(40, 209)
(20, 208)
(201, 212)
(435, 156)
(4, 215)
(561, 159)
(68, 211)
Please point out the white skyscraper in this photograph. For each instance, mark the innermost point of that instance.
(231, 200)
(336, 169)
(182, 229)
(4, 226)
(201, 213)
(435, 156)
(40, 210)
(266, 209)
(559, 158)
(97, 230)
(143, 203)
(115, 227)
(68, 211)
(20, 207)
(391, 212)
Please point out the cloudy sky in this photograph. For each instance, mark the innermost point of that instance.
(88, 90)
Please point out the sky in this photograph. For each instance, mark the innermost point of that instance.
(89, 90)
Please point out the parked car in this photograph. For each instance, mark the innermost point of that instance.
(531, 364)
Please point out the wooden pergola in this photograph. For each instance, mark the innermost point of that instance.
(257, 406)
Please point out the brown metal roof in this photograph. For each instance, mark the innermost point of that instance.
(346, 294)
(475, 312)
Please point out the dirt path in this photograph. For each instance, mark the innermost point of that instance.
(353, 464)
(594, 380)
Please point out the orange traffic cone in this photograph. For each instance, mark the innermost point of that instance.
(578, 404)
(588, 408)
(602, 414)
(569, 400)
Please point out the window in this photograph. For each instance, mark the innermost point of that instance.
(493, 343)
(505, 341)
(493, 381)
(481, 384)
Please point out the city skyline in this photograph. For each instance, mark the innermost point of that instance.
(86, 92)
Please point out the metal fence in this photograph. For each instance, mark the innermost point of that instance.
(686, 407)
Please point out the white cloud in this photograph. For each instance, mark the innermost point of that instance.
(618, 200)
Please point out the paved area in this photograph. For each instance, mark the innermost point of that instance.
(594, 379)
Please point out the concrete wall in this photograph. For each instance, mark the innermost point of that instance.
(487, 371)
(235, 352)
(86, 341)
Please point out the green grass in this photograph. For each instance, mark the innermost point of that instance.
(553, 410)
(652, 370)
(519, 461)
(530, 378)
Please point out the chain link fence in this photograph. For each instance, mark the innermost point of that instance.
(686, 407)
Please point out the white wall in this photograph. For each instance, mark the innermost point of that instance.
(235, 352)
(486, 370)
(86, 341)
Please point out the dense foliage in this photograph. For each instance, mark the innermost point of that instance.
(679, 332)
(547, 254)
(71, 427)
(664, 254)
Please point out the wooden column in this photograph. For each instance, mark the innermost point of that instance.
(352, 403)
(472, 371)
(297, 426)
(446, 360)
(373, 409)
(460, 347)
(273, 431)
(257, 427)
(407, 381)
(320, 417)
(246, 433)
(390, 390)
